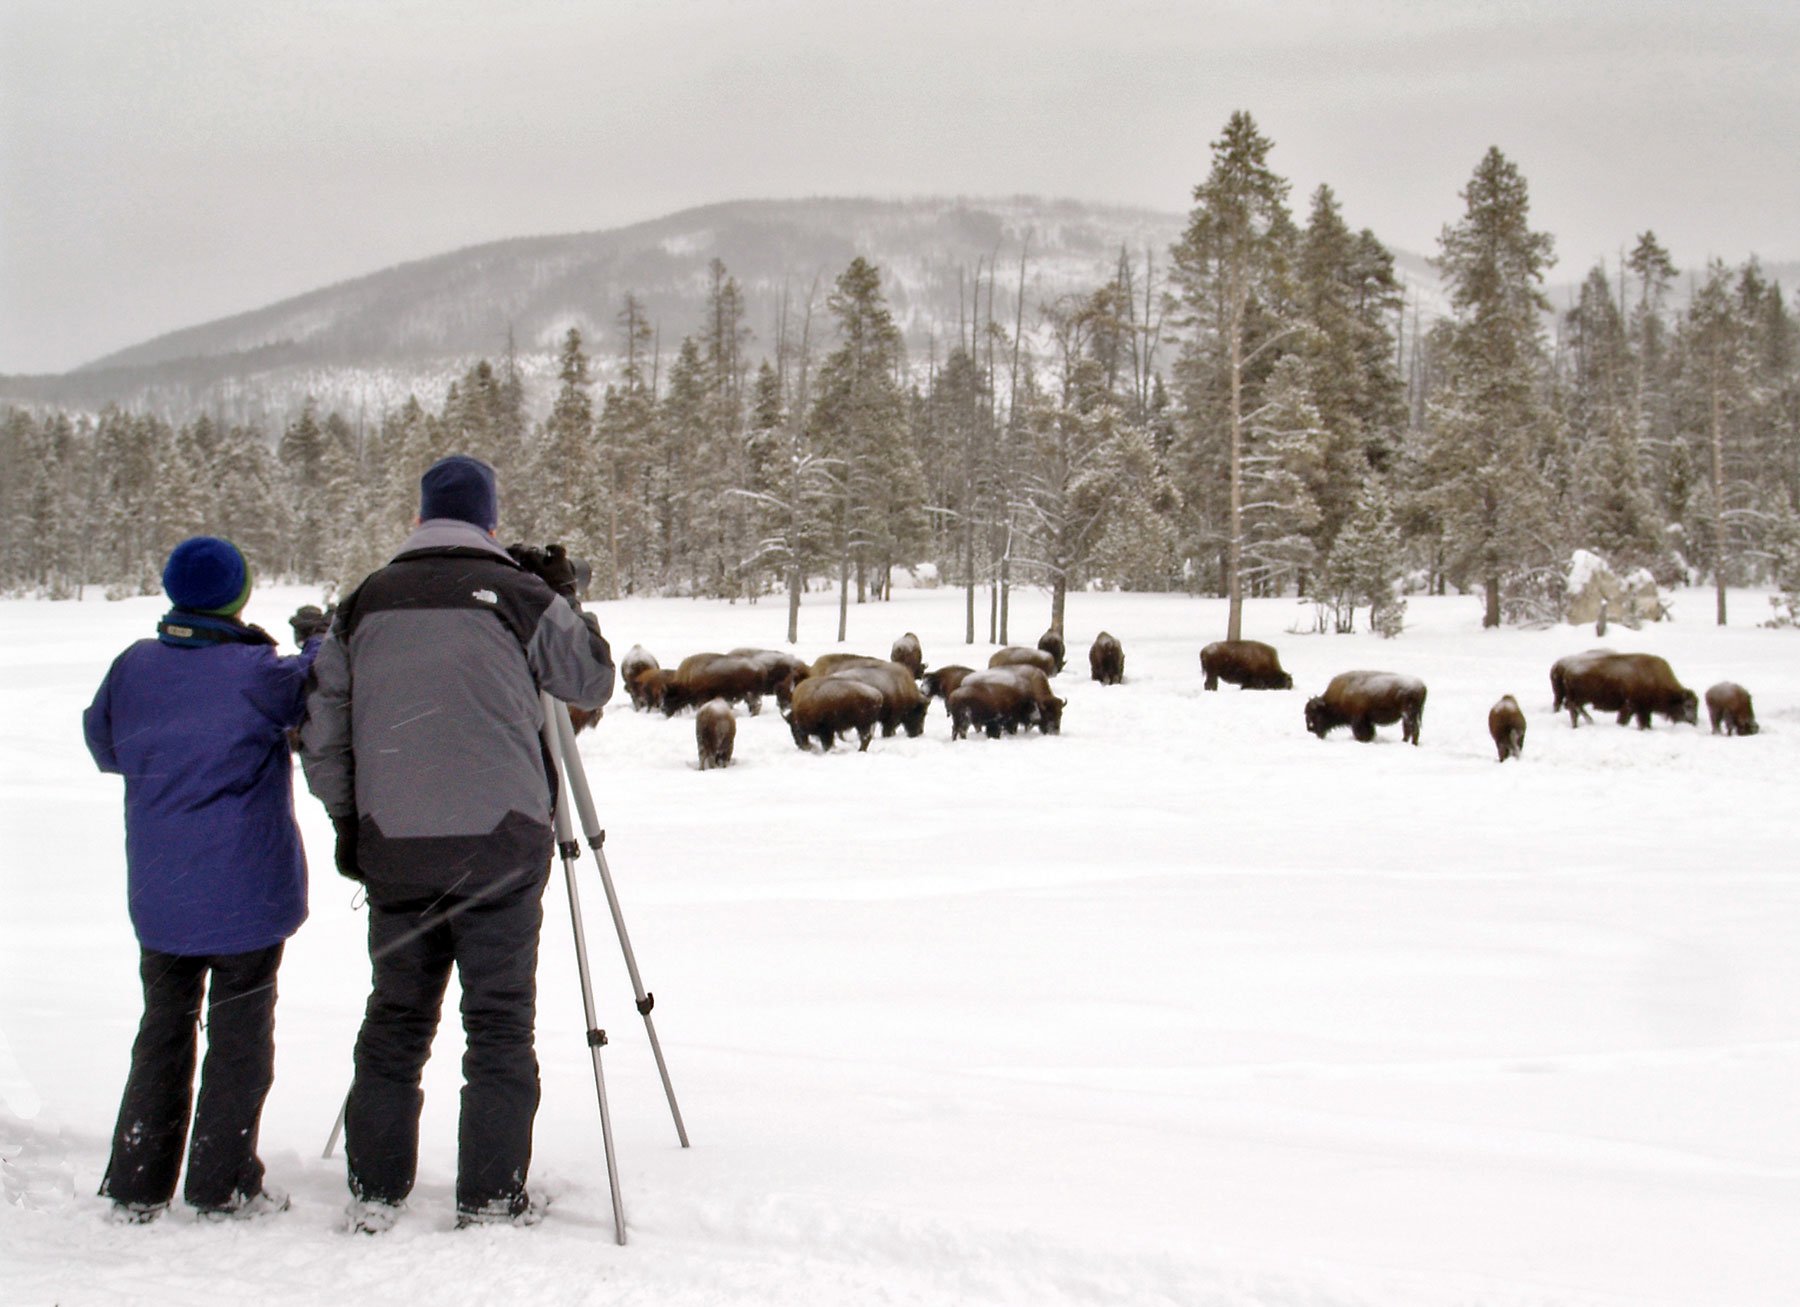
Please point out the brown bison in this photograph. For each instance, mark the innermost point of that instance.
(1364, 700)
(1051, 642)
(715, 728)
(825, 706)
(714, 676)
(1728, 705)
(781, 671)
(1016, 655)
(1506, 723)
(826, 664)
(903, 703)
(940, 682)
(1005, 699)
(1247, 664)
(1561, 669)
(1632, 685)
(632, 668)
(907, 653)
(1107, 659)
(988, 703)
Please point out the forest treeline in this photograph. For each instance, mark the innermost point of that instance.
(1242, 414)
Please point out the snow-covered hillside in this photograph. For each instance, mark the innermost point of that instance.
(1180, 1006)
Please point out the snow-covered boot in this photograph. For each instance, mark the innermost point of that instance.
(247, 1207)
(371, 1216)
(521, 1210)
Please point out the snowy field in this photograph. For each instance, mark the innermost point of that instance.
(1183, 1006)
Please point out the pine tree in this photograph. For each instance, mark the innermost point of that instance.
(1363, 568)
(1230, 265)
(1607, 498)
(1489, 422)
(302, 455)
(1286, 451)
(566, 488)
(858, 422)
(1345, 294)
(1719, 383)
(685, 481)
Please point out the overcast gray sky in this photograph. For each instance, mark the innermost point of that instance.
(166, 162)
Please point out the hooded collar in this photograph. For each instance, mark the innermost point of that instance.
(451, 533)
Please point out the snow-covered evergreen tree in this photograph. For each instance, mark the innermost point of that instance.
(1489, 424)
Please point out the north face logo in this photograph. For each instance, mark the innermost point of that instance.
(487, 596)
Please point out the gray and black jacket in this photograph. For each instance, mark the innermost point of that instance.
(423, 715)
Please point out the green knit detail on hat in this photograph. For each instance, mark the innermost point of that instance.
(236, 606)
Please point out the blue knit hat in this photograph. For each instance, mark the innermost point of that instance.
(460, 487)
(205, 574)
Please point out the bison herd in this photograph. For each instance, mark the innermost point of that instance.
(841, 694)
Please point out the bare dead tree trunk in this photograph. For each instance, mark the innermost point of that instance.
(1234, 622)
(1718, 497)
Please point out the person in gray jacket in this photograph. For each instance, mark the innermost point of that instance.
(422, 741)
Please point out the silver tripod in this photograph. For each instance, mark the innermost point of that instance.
(559, 739)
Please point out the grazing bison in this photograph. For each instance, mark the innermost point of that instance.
(1004, 699)
(1507, 725)
(715, 728)
(988, 703)
(1045, 709)
(632, 667)
(1563, 667)
(1017, 655)
(907, 653)
(1107, 659)
(1364, 700)
(940, 682)
(1051, 642)
(713, 676)
(1632, 685)
(1247, 664)
(1728, 704)
(826, 664)
(781, 671)
(825, 706)
(903, 703)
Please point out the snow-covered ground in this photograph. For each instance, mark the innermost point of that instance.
(1182, 1006)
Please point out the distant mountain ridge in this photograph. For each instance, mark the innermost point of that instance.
(363, 345)
(463, 302)
(367, 343)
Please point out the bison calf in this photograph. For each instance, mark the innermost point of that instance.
(941, 682)
(1506, 723)
(1107, 659)
(1247, 664)
(1728, 704)
(1364, 700)
(715, 729)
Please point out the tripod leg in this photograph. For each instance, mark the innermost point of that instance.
(337, 1128)
(590, 824)
(555, 713)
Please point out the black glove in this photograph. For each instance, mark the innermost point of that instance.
(559, 572)
(345, 854)
(309, 620)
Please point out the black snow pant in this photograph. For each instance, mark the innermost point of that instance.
(492, 940)
(234, 1080)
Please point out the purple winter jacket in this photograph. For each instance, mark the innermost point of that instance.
(198, 728)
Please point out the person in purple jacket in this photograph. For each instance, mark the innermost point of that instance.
(197, 722)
